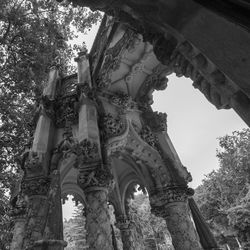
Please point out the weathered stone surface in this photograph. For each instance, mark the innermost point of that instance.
(127, 233)
(181, 228)
(97, 220)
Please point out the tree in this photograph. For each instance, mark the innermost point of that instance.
(33, 37)
(74, 230)
(224, 195)
(148, 225)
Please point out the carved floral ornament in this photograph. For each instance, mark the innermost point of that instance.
(170, 195)
(91, 176)
(36, 186)
(157, 121)
(147, 135)
(86, 151)
(123, 222)
(111, 126)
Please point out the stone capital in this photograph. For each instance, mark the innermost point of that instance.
(36, 186)
(93, 177)
(123, 222)
(164, 197)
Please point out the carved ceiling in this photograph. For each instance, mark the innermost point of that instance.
(196, 39)
(129, 60)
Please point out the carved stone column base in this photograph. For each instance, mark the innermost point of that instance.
(49, 245)
(180, 226)
(99, 235)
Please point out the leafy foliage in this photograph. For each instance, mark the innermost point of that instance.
(33, 37)
(147, 224)
(74, 230)
(224, 195)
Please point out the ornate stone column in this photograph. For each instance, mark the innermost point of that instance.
(96, 186)
(172, 205)
(127, 232)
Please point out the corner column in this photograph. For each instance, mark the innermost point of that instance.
(99, 235)
(127, 232)
(94, 175)
(172, 205)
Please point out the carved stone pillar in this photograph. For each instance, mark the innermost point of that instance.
(171, 204)
(99, 235)
(96, 184)
(96, 181)
(127, 232)
(36, 189)
(19, 216)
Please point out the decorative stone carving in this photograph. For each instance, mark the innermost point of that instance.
(95, 176)
(98, 226)
(122, 100)
(112, 57)
(155, 81)
(171, 204)
(157, 121)
(66, 110)
(147, 135)
(86, 152)
(169, 195)
(35, 186)
(123, 222)
(68, 86)
(126, 227)
(65, 147)
(32, 166)
(19, 207)
(111, 126)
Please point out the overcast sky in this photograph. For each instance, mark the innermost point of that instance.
(193, 124)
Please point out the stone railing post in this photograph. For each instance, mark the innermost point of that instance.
(127, 232)
(172, 205)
